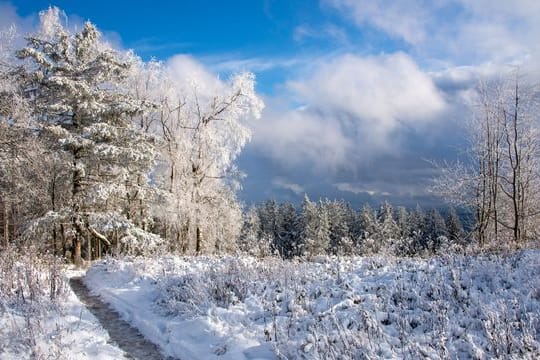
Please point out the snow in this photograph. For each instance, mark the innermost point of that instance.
(246, 308)
(136, 298)
(379, 307)
(45, 330)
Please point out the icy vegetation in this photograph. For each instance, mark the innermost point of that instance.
(40, 318)
(331, 308)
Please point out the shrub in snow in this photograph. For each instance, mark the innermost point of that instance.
(31, 288)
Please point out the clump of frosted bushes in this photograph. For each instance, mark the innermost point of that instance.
(371, 307)
(31, 288)
(29, 279)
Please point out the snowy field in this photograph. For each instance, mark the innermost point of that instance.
(350, 308)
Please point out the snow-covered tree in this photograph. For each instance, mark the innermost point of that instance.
(204, 131)
(78, 88)
(268, 215)
(340, 238)
(309, 218)
(389, 230)
(405, 245)
(288, 233)
(454, 227)
(251, 239)
(403, 221)
(370, 230)
(321, 242)
(417, 221)
(25, 166)
(435, 230)
(500, 180)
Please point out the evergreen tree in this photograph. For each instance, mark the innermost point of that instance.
(454, 228)
(370, 230)
(340, 240)
(309, 219)
(288, 230)
(389, 230)
(321, 242)
(417, 220)
(355, 231)
(403, 222)
(251, 240)
(435, 231)
(268, 214)
(405, 245)
(80, 100)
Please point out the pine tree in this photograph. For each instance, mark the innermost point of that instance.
(369, 229)
(417, 220)
(403, 222)
(388, 228)
(309, 224)
(404, 246)
(251, 240)
(435, 233)
(268, 214)
(354, 226)
(80, 100)
(340, 240)
(321, 242)
(454, 228)
(288, 230)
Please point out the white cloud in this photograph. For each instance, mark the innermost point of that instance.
(185, 71)
(355, 189)
(384, 187)
(525, 9)
(379, 91)
(327, 31)
(351, 107)
(461, 32)
(402, 19)
(284, 184)
(295, 136)
(231, 63)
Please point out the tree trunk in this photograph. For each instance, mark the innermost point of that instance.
(6, 223)
(89, 248)
(76, 255)
(117, 242)
(54, 239)
(198, 244)
(53, 203)
(64, 242)
(76, 216)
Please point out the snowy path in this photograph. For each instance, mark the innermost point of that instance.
(122, 334)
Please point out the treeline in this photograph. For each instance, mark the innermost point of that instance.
(335, 228)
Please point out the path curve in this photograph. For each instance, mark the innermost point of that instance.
(121, 333)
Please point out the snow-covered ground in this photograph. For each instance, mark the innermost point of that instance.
(349, 308)
(34, 326)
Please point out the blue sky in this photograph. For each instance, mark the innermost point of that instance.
(360, 94)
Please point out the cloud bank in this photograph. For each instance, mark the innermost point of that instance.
(348, 110)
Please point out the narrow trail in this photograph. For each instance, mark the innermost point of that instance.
(121, 333)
